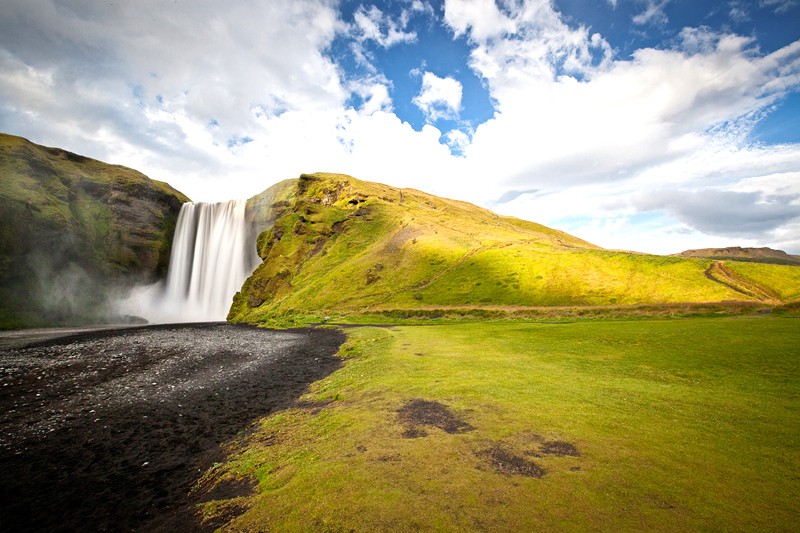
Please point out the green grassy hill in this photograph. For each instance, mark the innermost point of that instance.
(73, 227)
(340, 247)
(736, 253)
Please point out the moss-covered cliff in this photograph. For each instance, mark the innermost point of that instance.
(72, 229)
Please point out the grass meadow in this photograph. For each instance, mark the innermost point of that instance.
(656, 425)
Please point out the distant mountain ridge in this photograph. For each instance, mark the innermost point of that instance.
(737, 253)
(73, 229)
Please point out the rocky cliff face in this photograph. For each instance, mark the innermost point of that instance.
(73, 231)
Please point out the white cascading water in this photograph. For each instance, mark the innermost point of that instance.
(212, 255)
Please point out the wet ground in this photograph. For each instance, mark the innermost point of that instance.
(107, 430)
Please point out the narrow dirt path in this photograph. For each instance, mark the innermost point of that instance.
(717, 272)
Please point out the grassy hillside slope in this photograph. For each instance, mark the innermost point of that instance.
(70, 228)
(736, 253)
(340, 246)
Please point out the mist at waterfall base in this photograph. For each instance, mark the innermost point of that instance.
(213, 252)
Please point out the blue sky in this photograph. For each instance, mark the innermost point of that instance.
(649, 125)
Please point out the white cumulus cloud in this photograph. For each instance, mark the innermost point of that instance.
(481, 18)
(653, 13)
(439, 97)
(373, 24)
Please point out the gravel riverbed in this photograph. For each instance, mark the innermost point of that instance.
(107, 430)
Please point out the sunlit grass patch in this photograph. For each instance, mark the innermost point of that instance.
(612, 425)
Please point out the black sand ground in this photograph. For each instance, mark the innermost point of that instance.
(108, 430)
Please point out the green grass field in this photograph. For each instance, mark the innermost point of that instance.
(667, 425)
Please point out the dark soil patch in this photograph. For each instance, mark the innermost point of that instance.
(559, 448)
(228, 489)
(414, 432)
(416, 413)
(110, 430)
(504, 462)
(224, 513)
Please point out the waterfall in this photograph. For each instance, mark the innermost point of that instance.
(213, 252)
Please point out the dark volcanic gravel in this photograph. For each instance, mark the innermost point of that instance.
(108, 430)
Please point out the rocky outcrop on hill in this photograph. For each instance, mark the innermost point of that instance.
(73, 230)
